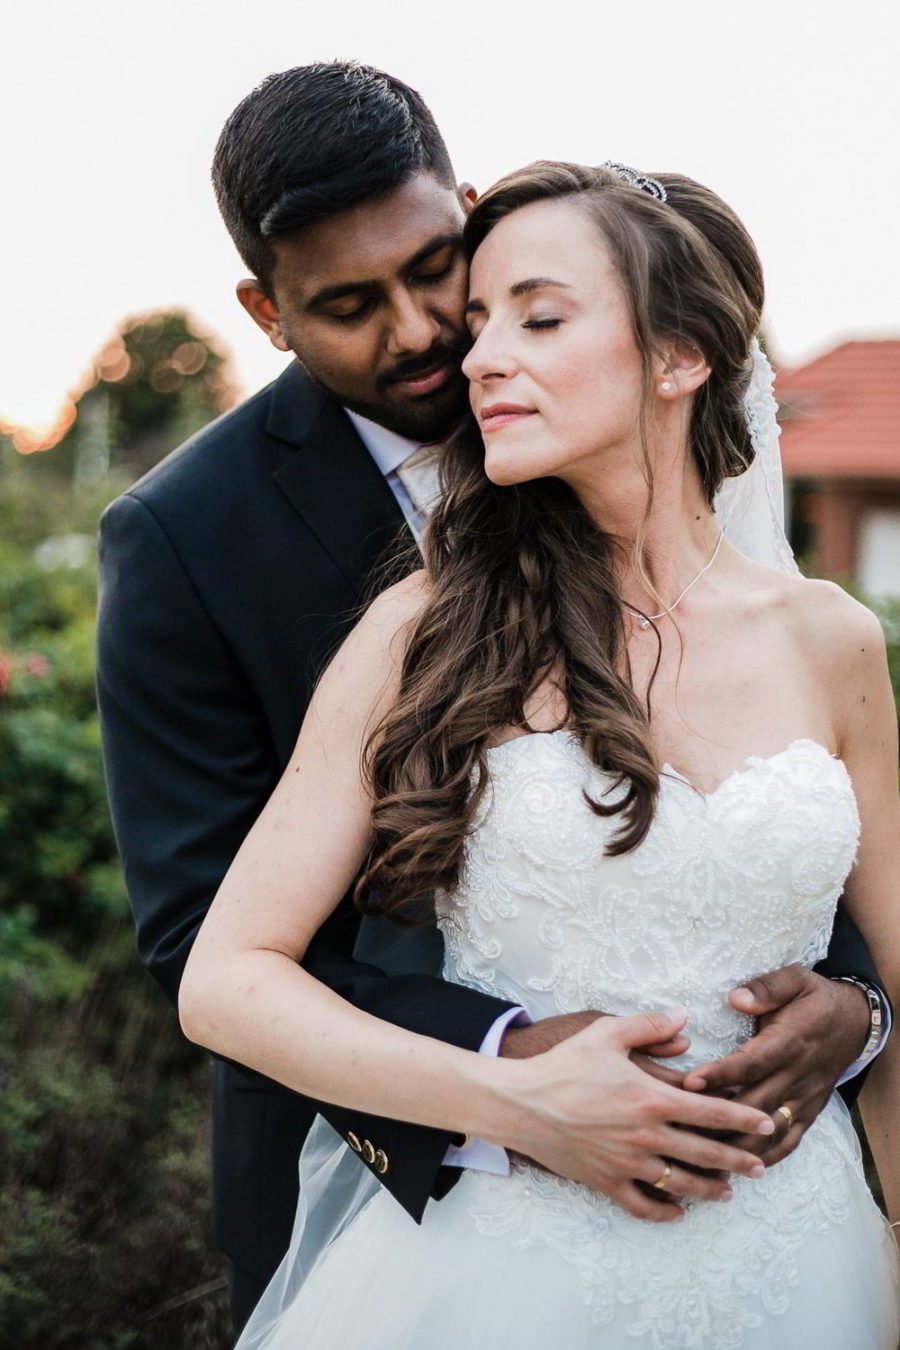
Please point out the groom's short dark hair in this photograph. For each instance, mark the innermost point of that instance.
(313, 140)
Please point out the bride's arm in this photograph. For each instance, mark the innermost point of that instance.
(243, 993)
(869, 749)
(582, 1109)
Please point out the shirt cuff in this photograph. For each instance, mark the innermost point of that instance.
(477, 1153)
(865, 1060)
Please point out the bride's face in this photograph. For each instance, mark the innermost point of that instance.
(555, 370)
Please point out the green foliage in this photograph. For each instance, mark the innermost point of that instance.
(154, 383)
(38, 502)
(104, 1108)
(105, 1185)
(104, 1116)
(888, 612)
(55, 836)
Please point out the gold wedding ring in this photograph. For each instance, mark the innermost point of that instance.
(787, 1113)
(664, 1180)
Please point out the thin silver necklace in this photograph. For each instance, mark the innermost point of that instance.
(644, 620)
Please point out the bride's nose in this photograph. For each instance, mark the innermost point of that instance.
(489, 358)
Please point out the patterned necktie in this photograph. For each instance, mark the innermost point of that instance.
(419, 476)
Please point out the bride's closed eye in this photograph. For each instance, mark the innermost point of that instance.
(540, 324)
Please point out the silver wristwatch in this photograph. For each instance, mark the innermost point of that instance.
(876, 1016)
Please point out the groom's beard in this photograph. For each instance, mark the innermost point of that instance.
(418, 417)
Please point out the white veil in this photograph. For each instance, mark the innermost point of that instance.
(334, 1187)
(334, 1184)
(750, 508)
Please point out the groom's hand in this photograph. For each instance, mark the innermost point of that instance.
(809, 1030)
(522, 1042)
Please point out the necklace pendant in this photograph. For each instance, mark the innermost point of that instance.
(642, 622)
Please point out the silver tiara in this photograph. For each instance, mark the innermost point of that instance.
(635, 179)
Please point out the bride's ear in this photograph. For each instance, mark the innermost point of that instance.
(679, 369)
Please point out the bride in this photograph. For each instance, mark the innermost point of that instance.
(633, 768)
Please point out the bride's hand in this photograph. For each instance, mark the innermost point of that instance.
(586, 1112)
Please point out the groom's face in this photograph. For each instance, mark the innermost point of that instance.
(372, 302)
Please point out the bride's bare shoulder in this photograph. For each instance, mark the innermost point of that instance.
(837, 631)
(392, 612)
(366, 668)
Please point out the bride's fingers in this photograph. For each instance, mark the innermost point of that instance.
(781, 1088)
(657, 1071)
(786, 1144)
(639, 1203)
(678, 1045)
(711, 1154)
(714, 1113)
(639, 1030)
(791, 1124)
(683, 1184)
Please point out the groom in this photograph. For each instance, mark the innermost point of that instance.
(232, 570)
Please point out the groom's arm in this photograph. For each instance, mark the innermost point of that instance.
(848, 959)
(190, 764)
(815, 1032)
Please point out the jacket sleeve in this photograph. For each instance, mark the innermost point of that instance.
(848, 954)
(190, 763)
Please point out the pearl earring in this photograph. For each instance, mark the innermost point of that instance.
(666, 386)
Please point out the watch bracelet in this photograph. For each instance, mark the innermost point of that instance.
(876, 1014)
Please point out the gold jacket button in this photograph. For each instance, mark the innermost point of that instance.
(354, 1142)
(381, 1162)
(368, 1152)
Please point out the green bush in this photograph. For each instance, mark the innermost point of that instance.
(104, 1109)
(888, 612)
(105, 1173)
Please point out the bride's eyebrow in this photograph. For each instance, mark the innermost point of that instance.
(536, 284)
(476, 306)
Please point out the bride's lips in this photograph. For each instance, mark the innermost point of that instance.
(427, 383)
(502, 415)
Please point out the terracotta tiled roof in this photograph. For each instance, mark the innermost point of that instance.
(840, 415)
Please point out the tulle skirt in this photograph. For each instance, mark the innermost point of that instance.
(527, 1262)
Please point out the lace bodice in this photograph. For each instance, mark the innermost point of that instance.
(725, 886)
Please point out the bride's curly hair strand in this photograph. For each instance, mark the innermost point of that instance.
(523, 583)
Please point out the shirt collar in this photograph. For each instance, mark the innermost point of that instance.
(386, 448)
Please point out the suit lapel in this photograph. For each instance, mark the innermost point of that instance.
(332, 480)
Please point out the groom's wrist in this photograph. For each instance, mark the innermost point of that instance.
(870, 999)
(526, 1041)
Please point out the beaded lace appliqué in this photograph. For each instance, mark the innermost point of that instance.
(725, 885)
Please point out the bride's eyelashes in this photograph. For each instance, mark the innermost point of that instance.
(541, 324)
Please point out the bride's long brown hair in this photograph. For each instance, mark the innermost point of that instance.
(523, 583)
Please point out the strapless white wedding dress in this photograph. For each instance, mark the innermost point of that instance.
(725, 885)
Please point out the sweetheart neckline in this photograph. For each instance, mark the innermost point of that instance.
(668, 773)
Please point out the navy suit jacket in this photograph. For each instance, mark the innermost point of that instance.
(228, 575)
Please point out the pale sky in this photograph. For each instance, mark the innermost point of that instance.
(110, 111)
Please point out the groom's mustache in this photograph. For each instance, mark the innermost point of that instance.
(416, 367)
